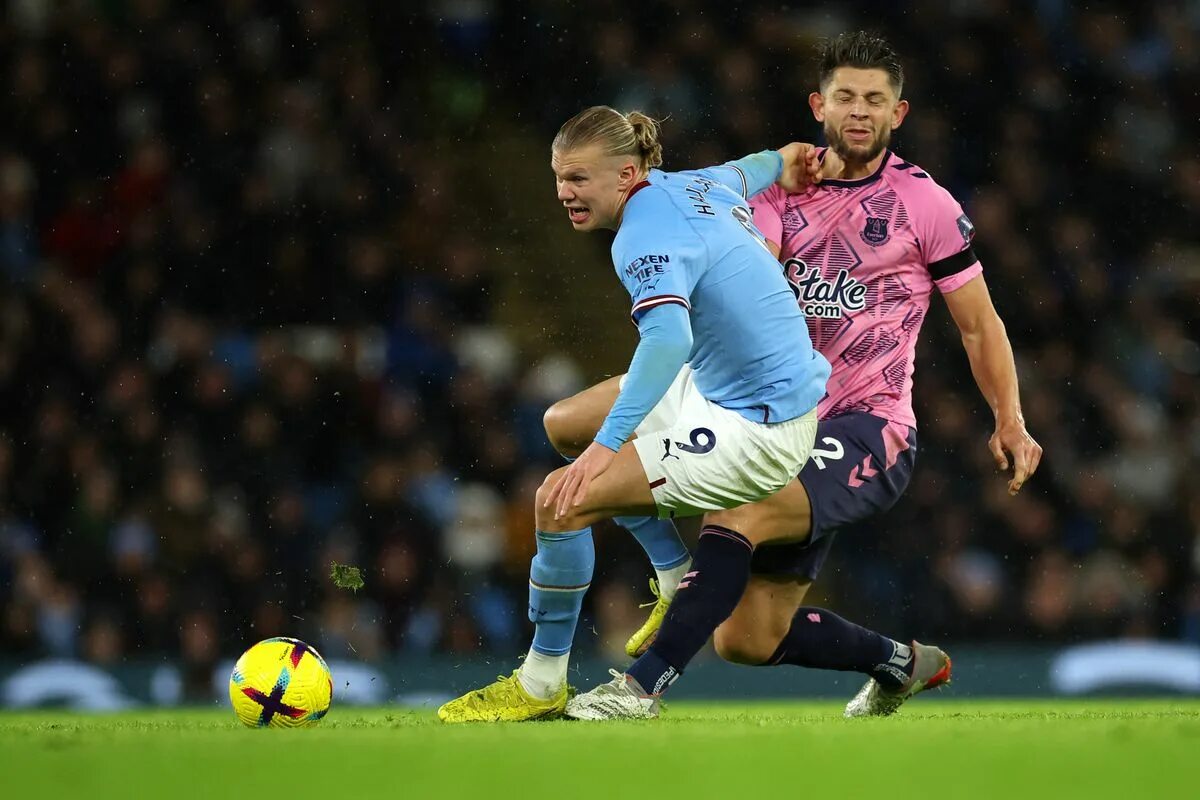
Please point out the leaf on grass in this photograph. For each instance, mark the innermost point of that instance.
(345, 576)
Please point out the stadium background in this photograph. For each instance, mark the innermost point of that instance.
(285, 283)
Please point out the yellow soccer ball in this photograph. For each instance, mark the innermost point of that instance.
(280, 683)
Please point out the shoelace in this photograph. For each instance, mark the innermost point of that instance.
(480, 695)
(657, 596)
(622, 683)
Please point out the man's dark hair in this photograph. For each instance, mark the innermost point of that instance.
(862, 50)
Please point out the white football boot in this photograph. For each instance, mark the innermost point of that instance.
(617, 699)
(931, 670)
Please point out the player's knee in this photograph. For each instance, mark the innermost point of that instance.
(562, 428)
(542, 495)
(741, 645)
(570, 521)
(544, 517)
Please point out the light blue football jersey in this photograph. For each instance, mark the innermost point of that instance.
(687, 238)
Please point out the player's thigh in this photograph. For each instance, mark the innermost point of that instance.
(783, 517)
(761, 619)
(572, 423)
(620, 490)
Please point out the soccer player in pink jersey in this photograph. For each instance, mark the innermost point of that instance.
(863, 252)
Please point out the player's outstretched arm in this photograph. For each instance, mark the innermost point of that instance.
(995, 371)
(794, 167)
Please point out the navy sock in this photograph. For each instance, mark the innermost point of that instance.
(822, 640)
(707, 596)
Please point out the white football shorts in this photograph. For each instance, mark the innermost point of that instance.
(701, 457)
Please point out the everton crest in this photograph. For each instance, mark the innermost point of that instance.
(876, 231)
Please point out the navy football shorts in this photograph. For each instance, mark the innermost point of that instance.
(859, 467)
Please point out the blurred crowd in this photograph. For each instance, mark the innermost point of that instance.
(252, 323)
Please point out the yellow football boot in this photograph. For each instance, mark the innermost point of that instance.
(644, 636)
(503, 701)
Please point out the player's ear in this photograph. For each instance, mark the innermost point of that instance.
(816, 101)
(899, 114)
(628, 175)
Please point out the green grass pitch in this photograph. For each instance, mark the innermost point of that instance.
(934, 749)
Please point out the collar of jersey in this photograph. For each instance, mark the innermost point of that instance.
(637, 187)
(874, 176)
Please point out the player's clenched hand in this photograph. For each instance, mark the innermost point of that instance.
(801, 167)
(1026, 453)
(573, 487)
(830, 166)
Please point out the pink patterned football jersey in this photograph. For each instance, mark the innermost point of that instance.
(862, 257)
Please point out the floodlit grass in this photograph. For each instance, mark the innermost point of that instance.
(945, 749)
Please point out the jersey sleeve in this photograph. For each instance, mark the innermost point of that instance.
(666, 342)
(657, 260)
(767, 208)
(749, 175)
(946, 242)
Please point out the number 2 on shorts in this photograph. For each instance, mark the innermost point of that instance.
(834, 453)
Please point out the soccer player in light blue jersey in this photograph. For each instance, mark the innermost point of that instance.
(721, 394)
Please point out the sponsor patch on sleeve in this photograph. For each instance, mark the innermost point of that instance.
(966, 229)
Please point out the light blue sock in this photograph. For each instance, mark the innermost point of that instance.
(658, 538)
(558, 579)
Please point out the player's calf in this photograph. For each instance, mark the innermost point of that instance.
(761, 620)
(751, 648)
(707, 595)
(820, 639)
